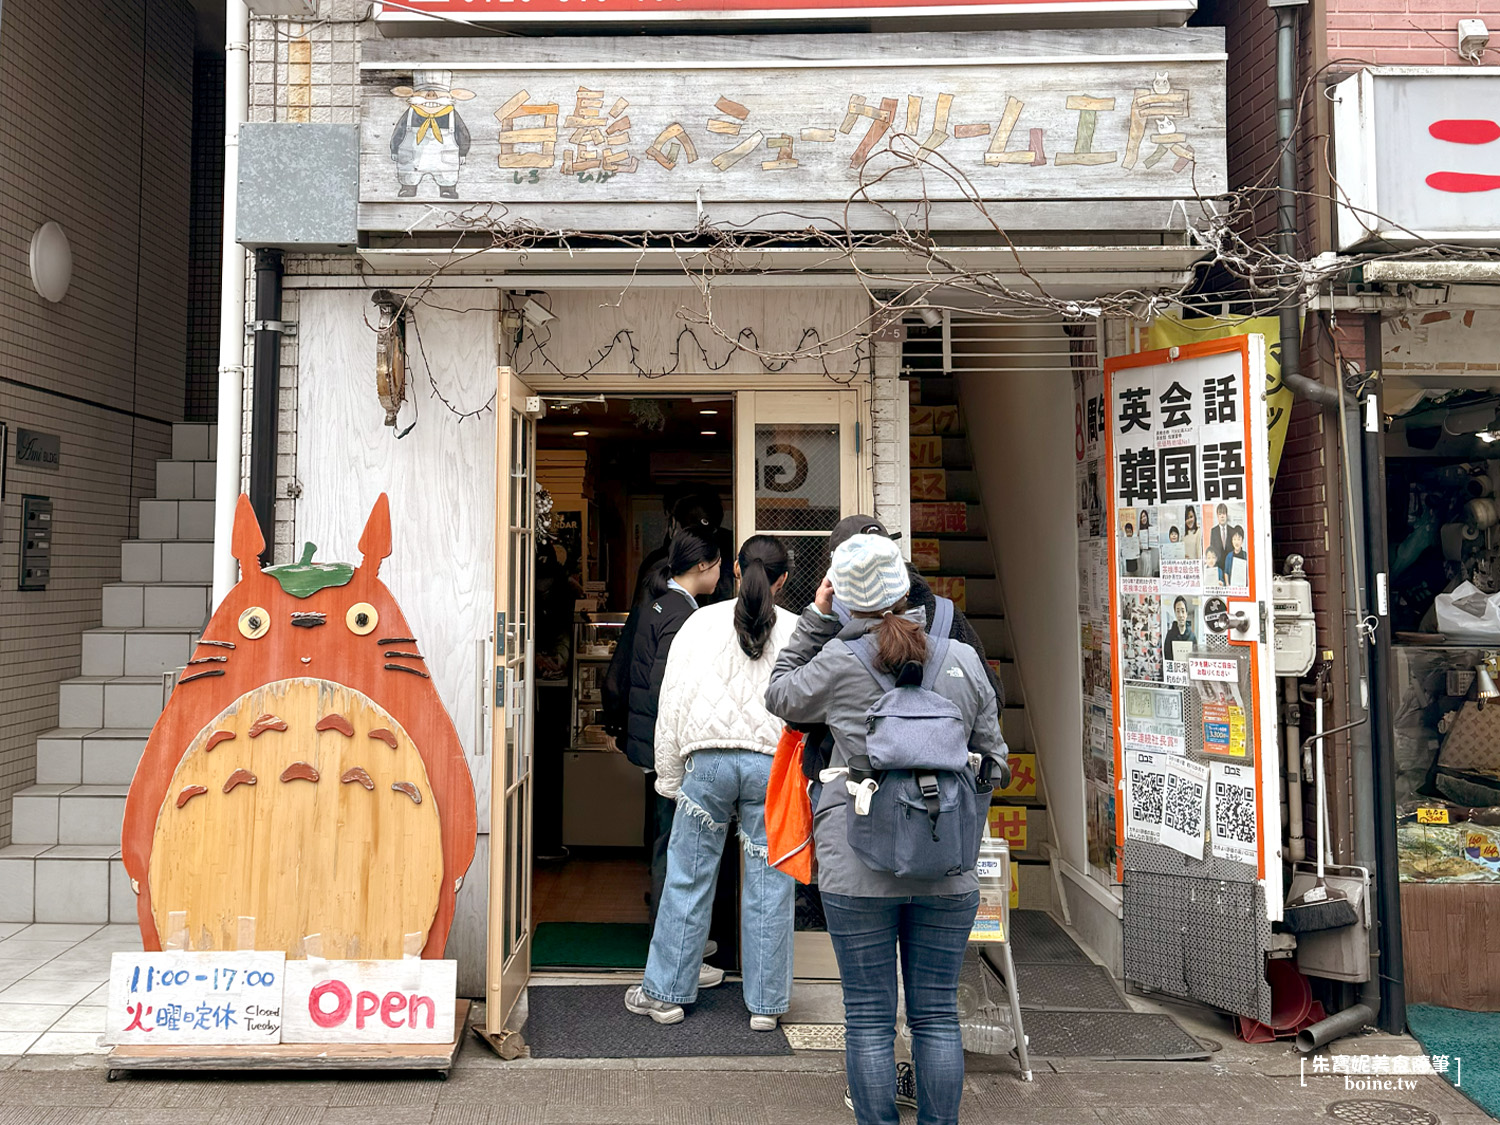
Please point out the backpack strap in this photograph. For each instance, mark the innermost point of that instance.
(860, 647)
(927, 782)
(938, 641)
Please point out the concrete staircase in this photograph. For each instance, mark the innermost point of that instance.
(63, 863)
(951, 548)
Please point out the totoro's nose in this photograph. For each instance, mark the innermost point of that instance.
(309, 620)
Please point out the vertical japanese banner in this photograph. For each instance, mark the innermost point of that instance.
(1094, 585)
(1189, 539)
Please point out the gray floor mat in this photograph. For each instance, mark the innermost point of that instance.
(1034, 936)
(1057, 987)
(590, 1022)
(1110, 1036)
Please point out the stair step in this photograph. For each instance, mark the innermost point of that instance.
(937, 390)
(182, 520)
(185, 480)
(1013, 722)
(967, 556)
(110, 701)
(147, 651)
(154, 560)
(68, 814)
(81, 756)
(1038, 829)
(934, 516)
(64, 883)
(195, 441)
(155, 605)
(993, 634)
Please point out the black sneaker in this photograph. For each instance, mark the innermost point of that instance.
(906, 1087)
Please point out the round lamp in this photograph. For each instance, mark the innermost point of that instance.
(51, 262)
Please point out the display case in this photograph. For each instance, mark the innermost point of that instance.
(594, 639)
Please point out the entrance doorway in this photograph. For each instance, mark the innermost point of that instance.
(587, 480)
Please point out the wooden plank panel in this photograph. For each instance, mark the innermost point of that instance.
(1085, 120)
(439, 477)
(1447, 932)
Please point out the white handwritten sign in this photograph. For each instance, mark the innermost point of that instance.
(180, 997)
(406, 1001)
(1207, 668)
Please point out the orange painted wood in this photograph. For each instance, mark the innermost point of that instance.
(333, 653)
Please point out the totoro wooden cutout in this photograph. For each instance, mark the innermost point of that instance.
(304, 778)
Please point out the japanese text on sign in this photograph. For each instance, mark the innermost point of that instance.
(180, 997)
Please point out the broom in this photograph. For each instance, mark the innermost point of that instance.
(1320, 907)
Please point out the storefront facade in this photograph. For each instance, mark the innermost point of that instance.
(754, 220)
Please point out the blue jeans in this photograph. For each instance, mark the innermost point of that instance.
(931, 932)
(718, 785)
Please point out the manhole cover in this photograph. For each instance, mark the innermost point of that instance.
(1372, 1112)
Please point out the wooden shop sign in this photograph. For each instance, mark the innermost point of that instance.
(1006, 120)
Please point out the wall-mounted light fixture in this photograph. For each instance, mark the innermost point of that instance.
(51, 262)
(390, 353)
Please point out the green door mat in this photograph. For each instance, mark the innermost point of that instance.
(590, 945)
(1473, 1037)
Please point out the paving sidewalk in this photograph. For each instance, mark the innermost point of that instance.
(1241, 1084)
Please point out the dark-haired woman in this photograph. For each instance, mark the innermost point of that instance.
(689, 572)
(714, 744)
(875, 917)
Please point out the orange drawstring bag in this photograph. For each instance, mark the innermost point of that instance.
(789, 814)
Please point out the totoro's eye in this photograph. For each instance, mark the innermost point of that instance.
(254, 623)
(361, 618)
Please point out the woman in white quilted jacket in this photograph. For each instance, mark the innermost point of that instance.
(714, 745)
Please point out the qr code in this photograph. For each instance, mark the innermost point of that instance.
(1145, 796)
(1234, 813)
(1184, 805)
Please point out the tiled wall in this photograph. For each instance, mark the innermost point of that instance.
(96, 136)
(205, 238)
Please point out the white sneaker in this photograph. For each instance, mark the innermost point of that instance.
(659, 1010)
(709, 976)
(710, 947)
(763, 1023)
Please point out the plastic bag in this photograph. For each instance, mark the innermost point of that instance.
(1468, 614)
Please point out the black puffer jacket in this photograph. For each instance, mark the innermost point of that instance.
(656, 626)
(819, 744)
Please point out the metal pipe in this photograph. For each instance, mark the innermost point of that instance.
(1386, 874)
(231, 389)
(266, 362)
(1335, 1026)
(1296, 843)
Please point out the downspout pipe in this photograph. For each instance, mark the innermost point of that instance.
(1286, 203)
(266, 362)
(231, 387)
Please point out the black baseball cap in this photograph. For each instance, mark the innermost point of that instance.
(856, 525)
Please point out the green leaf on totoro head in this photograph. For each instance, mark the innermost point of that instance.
(305, 578)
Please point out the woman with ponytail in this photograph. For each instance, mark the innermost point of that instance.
(714, 744)
(874, 917)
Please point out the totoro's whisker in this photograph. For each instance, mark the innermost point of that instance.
(216, 644)
(397, 641)
(212, 672)
(409, 655)
(404, 668)
(208, 660)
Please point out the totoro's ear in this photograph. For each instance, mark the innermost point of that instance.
(247, 542)
(375, 543)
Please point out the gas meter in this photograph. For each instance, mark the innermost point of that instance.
(1296, 640)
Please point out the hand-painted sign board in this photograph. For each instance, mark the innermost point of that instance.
(774, 132)
(398, 1001)
(182, 997)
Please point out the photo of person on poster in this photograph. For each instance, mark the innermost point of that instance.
(1138, 559)
(1223, 518)
(1182, 628)
(1140, 637)
(1237, 565)
(1192, 541)
(1170, 547)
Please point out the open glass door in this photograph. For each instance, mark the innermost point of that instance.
(796, 474)
(509, 963)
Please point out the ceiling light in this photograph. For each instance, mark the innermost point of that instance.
(580, 433)
(708, 433)
(708, 412)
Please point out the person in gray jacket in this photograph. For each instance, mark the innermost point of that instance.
(874, 915)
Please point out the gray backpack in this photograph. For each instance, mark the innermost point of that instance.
(925, 817)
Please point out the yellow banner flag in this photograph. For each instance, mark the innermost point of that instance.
(1170, 332)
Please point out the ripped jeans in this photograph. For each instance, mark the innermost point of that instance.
(718, 785)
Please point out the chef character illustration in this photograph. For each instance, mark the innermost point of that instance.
(430, 138)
